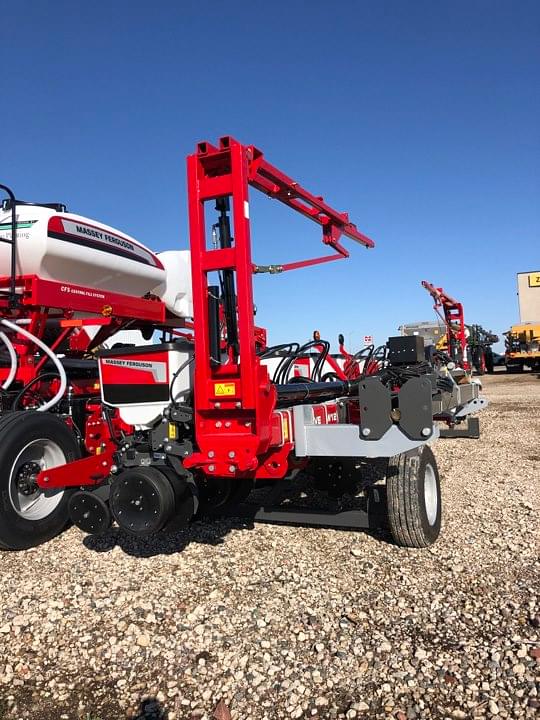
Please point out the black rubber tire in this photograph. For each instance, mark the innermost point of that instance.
(489, 361)
(407, 515)
(476, 360)
(481, 363)
(514, 368)
(17, 429)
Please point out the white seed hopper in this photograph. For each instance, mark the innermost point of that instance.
(69, 248)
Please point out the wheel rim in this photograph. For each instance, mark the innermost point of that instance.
(30, 503)
(431, 497)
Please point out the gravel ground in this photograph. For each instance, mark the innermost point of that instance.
(282, 622)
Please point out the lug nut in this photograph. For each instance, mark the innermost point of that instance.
(231, 454)
(211, 468)
(232, 468)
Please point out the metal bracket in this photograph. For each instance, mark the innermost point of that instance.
(342, 440)
(416, 408)
(272, 269)
(375, 408)
(472, 406)
(470, 430)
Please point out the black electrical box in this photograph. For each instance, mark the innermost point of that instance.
(406, 350)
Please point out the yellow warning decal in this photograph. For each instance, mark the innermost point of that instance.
(221, 389)
(285, 427)
(534, 279)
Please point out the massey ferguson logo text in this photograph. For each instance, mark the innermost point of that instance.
(83, 230)
(158, 369)
(105, 239)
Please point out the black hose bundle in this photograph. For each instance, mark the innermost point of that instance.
(294, 351)
(34, 381)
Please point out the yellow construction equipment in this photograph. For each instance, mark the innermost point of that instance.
(522, 347)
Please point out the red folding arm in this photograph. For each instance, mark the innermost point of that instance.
(273, 182)
(454, 319)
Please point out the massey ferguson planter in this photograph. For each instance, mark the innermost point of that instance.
(150, 436)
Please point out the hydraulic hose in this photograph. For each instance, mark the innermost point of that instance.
(13, 243)
(13, 357)
(298, 392)
(41, 345)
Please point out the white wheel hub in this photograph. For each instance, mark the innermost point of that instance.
(30, 503)
(431, 498)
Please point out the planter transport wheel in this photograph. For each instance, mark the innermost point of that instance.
(29, 443)
(414, 498)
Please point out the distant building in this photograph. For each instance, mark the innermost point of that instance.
(529, 296)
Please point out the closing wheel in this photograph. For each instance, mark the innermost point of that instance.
(142, 500)
(186, 496)
(219, 495)
(29, 443)
(413, 493)
(89, 512)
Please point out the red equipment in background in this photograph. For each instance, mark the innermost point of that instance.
(451, 313)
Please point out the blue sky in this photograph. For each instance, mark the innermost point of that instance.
(421, 119)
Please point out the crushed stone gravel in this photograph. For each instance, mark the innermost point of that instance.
(226, 621)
